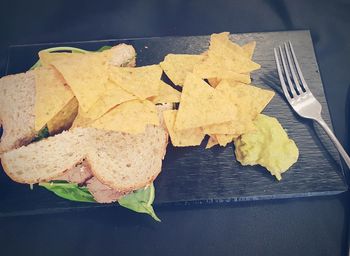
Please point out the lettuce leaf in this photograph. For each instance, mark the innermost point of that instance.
(43, 133)
(69, 191)
(140, 201)
(67, 49)
(103, 48)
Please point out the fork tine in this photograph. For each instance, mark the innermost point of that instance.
(292, 69)
(284, 86)
(285, 67)
(303, 82)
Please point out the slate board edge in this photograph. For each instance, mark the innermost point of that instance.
(44, 211)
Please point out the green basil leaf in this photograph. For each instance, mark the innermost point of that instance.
(140, 201)
(43, 133)
(103, 48)
(69, 191)
(59, 49)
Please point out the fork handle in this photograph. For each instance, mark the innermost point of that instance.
(334, 139)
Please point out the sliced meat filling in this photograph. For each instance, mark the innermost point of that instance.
(79, 174)
(101, 192)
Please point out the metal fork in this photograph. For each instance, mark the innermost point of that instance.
(299, 95)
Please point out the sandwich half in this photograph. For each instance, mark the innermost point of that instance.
(109, 163)
(119, 161)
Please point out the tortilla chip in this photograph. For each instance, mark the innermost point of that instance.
(63, 120)
(249, 101)
(143, 82)
(51, 95)
(222, 48)
(86, 74)
(112, 96)
(47, 58)
(201, 105)
(167, 94)
(213, 66)
(81, 120)
(214, 81)
(249, 49)
(183, 138)
(237, 126)
(221, 41)
(254, 99)
(176, 66)
(211, 142)
(224, 139)
(130, 117)
(258, 97)
(218, 68)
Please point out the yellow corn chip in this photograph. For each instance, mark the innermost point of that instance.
(222, 48)
(218, 68)
(63, 120)
(183, 138)
(167, 94)
(130, 117)
(258, 96)
(249, 100)
(86, 74)
(214, 81)
(249, 49)
(47, 58)
(201, 105)
(143, 82)
(252, 99)
(212, 142)
(224, 139)
(238, 126)
(176, 66)
(220, 42)
(205, 53)
(224, 65)
(81, 120)
(51, 95)
(112, 96)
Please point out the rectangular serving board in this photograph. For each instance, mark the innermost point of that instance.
(196, 175)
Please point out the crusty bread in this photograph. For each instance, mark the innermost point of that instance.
(17, 98)
(122, 55)
(122, 161)
(44, 160)
(17, 101)
(127, 162)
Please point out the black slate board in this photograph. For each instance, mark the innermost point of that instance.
(196, 175)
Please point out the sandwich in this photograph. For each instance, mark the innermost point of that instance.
(81, 162)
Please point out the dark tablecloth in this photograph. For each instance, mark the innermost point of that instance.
(309, 226)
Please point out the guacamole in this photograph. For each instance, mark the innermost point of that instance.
(268, 146)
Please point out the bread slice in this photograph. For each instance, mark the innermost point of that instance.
(17, 101)
(127, 162)
(17, 98)
(45, 159)
(122, 161)
(122, 55)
